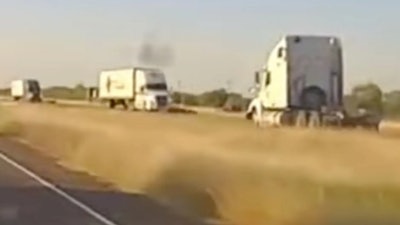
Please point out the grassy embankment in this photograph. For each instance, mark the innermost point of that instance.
(213, 166)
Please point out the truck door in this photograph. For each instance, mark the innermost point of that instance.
(265, 88)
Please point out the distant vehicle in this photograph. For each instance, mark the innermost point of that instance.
(141, 88)
(27, 90)
(301, 84)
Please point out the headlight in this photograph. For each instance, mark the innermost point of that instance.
(151, 102)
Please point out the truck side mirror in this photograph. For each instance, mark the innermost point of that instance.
(252, 90)
(257, 77)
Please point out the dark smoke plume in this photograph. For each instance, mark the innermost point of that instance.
(155, 54)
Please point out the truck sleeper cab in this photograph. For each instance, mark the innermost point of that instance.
(27, 90)
(301, 73)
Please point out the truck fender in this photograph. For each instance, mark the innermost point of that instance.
(254, 110)
(150, 104)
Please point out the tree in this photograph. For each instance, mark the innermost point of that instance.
(184, 98)
(5, 91)
(235, 102)
(78, 92)
(80, 87)
(368, 96)
(350, 104)
(176, 97)
(190, 99)
(216, 98)
(392, 103)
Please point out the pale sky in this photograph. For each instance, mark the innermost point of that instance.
(63, 42)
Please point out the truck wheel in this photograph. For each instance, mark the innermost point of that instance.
(112, 104)
(301, 119)
(36, 99)
(287, 119)
(326, 122)
(250, 115)
(124, 104)
(314, 120)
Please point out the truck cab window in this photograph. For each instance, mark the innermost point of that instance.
(33, 86)
(159, 86)
(280, 52)
(267, 78)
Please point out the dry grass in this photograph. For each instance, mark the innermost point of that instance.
(214, 166)
(8, 126)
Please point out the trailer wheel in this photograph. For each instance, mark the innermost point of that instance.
(287, 119)
(330, 121)
(314, 120)
(112, 104)
(250, 115)
(301, 119)
(124, 104)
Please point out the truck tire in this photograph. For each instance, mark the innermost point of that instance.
(126, 107)
(301, 119)
(123, 103)
(287, 119)
(314, 120)
(112, 104)
(250, 115)
(326, 122)
(36, 99)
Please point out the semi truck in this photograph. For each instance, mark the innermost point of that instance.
(136, 88)
(301, 84)
(26, 90)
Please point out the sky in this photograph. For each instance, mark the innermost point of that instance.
(213, 43)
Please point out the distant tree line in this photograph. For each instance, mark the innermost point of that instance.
(219, 98)
(371, 97)
(78, 92)
(367, 96)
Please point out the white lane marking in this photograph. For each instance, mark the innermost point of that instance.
(58, 191)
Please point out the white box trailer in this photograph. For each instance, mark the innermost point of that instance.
(26, 89)
(142, 88)
(301, 83)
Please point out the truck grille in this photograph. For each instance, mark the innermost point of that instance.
(162, 101)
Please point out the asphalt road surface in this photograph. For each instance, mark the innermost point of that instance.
(34, 190)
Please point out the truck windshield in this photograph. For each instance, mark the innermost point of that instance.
(33, 86)
(159, 86)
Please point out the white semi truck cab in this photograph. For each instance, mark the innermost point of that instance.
(300, 84)
(27, 90)
(142, 88)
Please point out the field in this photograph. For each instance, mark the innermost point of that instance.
(224, 168)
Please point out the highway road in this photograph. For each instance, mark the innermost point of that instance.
(34, 190)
